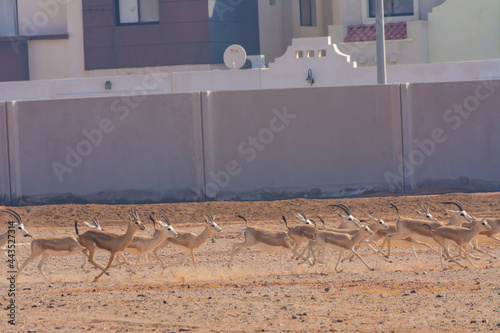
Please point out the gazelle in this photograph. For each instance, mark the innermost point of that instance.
(407, 228)
(12, 233)
(57, 246)
(96, 224)
(340, 242)
(460, 235)
(426, 213)
(375, 225)
(461, 218)
(302, 217)
(348, 221)
(114, 243)
(143, 245)
(457, 218)
(263, 239)
(189, 241)
(300, 233)
(495, 229)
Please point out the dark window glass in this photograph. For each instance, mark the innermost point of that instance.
(306, 13)
(393, 7)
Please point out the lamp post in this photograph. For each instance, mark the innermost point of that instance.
(380, 29)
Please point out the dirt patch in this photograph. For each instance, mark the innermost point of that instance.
(252, 295)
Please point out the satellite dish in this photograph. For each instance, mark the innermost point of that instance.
(235, 56)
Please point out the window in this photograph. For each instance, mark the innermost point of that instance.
(8, 18)
(393, 8)
(307, 12)
(138, 11)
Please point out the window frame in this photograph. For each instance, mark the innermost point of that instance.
(365, 7)
(139, 22)
(311, 4)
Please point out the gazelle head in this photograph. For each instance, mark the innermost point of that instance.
(461, 213)
(379, 221)
(135, 220)
(302, 217)
(367, 230)
(426, 214)
(348, 217)
(19, 225)
(210, 220)
(95, 226)
(483, 223)
(167, 225)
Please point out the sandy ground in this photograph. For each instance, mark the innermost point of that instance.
(252, 295)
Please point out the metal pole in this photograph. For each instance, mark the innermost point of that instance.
(379, 24)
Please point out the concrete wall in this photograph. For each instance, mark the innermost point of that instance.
(258, 144)
(132, 148)
(272, 144)
(452, 135)
(4, 158)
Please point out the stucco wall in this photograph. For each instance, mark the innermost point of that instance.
(275, 28)
(461, 30)
(331, 69)
(60, 58)
(412, 50)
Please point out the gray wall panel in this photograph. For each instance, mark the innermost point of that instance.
(111, 149)
(313, 142)
(452, 135)
(4, 158)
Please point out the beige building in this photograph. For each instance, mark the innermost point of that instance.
(417, 31)
(52, 40)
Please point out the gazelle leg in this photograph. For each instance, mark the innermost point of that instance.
(415, 255)
(30, 259)
(237, 248)
(191, 253)
(40, 264)
(111, 257)
(357, 255)
(159, 259)
(338, 261)
(467, 256)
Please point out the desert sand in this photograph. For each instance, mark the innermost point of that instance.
(252, 295)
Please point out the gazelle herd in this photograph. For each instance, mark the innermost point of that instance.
(306, 241)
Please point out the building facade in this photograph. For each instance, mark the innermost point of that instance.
(55, 39)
